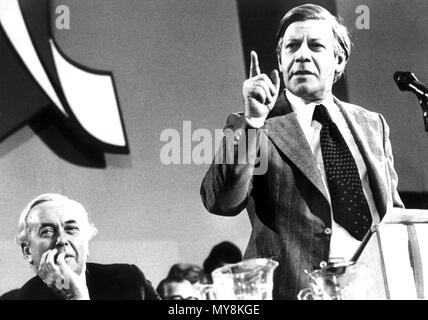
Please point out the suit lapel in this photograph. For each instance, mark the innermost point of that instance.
(364, 129)
(285, 132)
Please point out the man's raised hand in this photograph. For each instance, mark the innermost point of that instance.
(260, 91)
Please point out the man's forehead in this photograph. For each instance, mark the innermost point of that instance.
(54, 212)
(319, 29)
(183, 286)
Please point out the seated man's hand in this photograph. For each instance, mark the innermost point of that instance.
(59, 277)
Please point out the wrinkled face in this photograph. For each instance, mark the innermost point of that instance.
(61, 226)
(307, 60)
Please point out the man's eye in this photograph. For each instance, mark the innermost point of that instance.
(72, 229)
(47, 232)
(291, 46)
(317, 45)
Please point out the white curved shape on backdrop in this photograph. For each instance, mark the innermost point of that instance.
(92, 100)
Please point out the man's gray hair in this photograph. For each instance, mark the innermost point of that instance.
(22, 237)
(342, 41)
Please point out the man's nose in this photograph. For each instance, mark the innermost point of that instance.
(303, 53)
(62, 239)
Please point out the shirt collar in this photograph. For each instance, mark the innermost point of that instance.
(305, 111)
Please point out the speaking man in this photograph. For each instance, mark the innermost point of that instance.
(330, 173)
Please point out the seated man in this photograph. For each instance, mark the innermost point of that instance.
(54, 234)
(220, 255)
(191, 272)
(10, 295)
(176, 288)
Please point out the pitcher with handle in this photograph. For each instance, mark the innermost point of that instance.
(250, 279)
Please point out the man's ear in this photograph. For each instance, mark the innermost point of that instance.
(27, 253)
(341, 62)
(279, 63)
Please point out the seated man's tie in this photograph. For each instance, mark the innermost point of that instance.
(349, 204)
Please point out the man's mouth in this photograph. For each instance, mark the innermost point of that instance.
(302, 73)
(67, 257)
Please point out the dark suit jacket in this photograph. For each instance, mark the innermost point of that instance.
(105, 282)
(288, 206)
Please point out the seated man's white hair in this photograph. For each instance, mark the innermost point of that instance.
(22, 236)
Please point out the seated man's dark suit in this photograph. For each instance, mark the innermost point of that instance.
(104, 282)
(288, 206)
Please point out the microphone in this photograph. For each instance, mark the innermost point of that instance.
(406, 81)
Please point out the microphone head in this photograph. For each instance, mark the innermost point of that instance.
(402, 79)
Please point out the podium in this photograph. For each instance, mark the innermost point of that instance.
(396, 253)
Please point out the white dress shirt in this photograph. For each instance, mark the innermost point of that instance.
(342, 245)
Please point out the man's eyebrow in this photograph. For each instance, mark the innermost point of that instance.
(70, 222)
(292, 39)
(46, 224)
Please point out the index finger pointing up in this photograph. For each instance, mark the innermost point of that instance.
(254, 65)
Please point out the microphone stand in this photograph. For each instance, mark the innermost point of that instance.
(423, 101)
